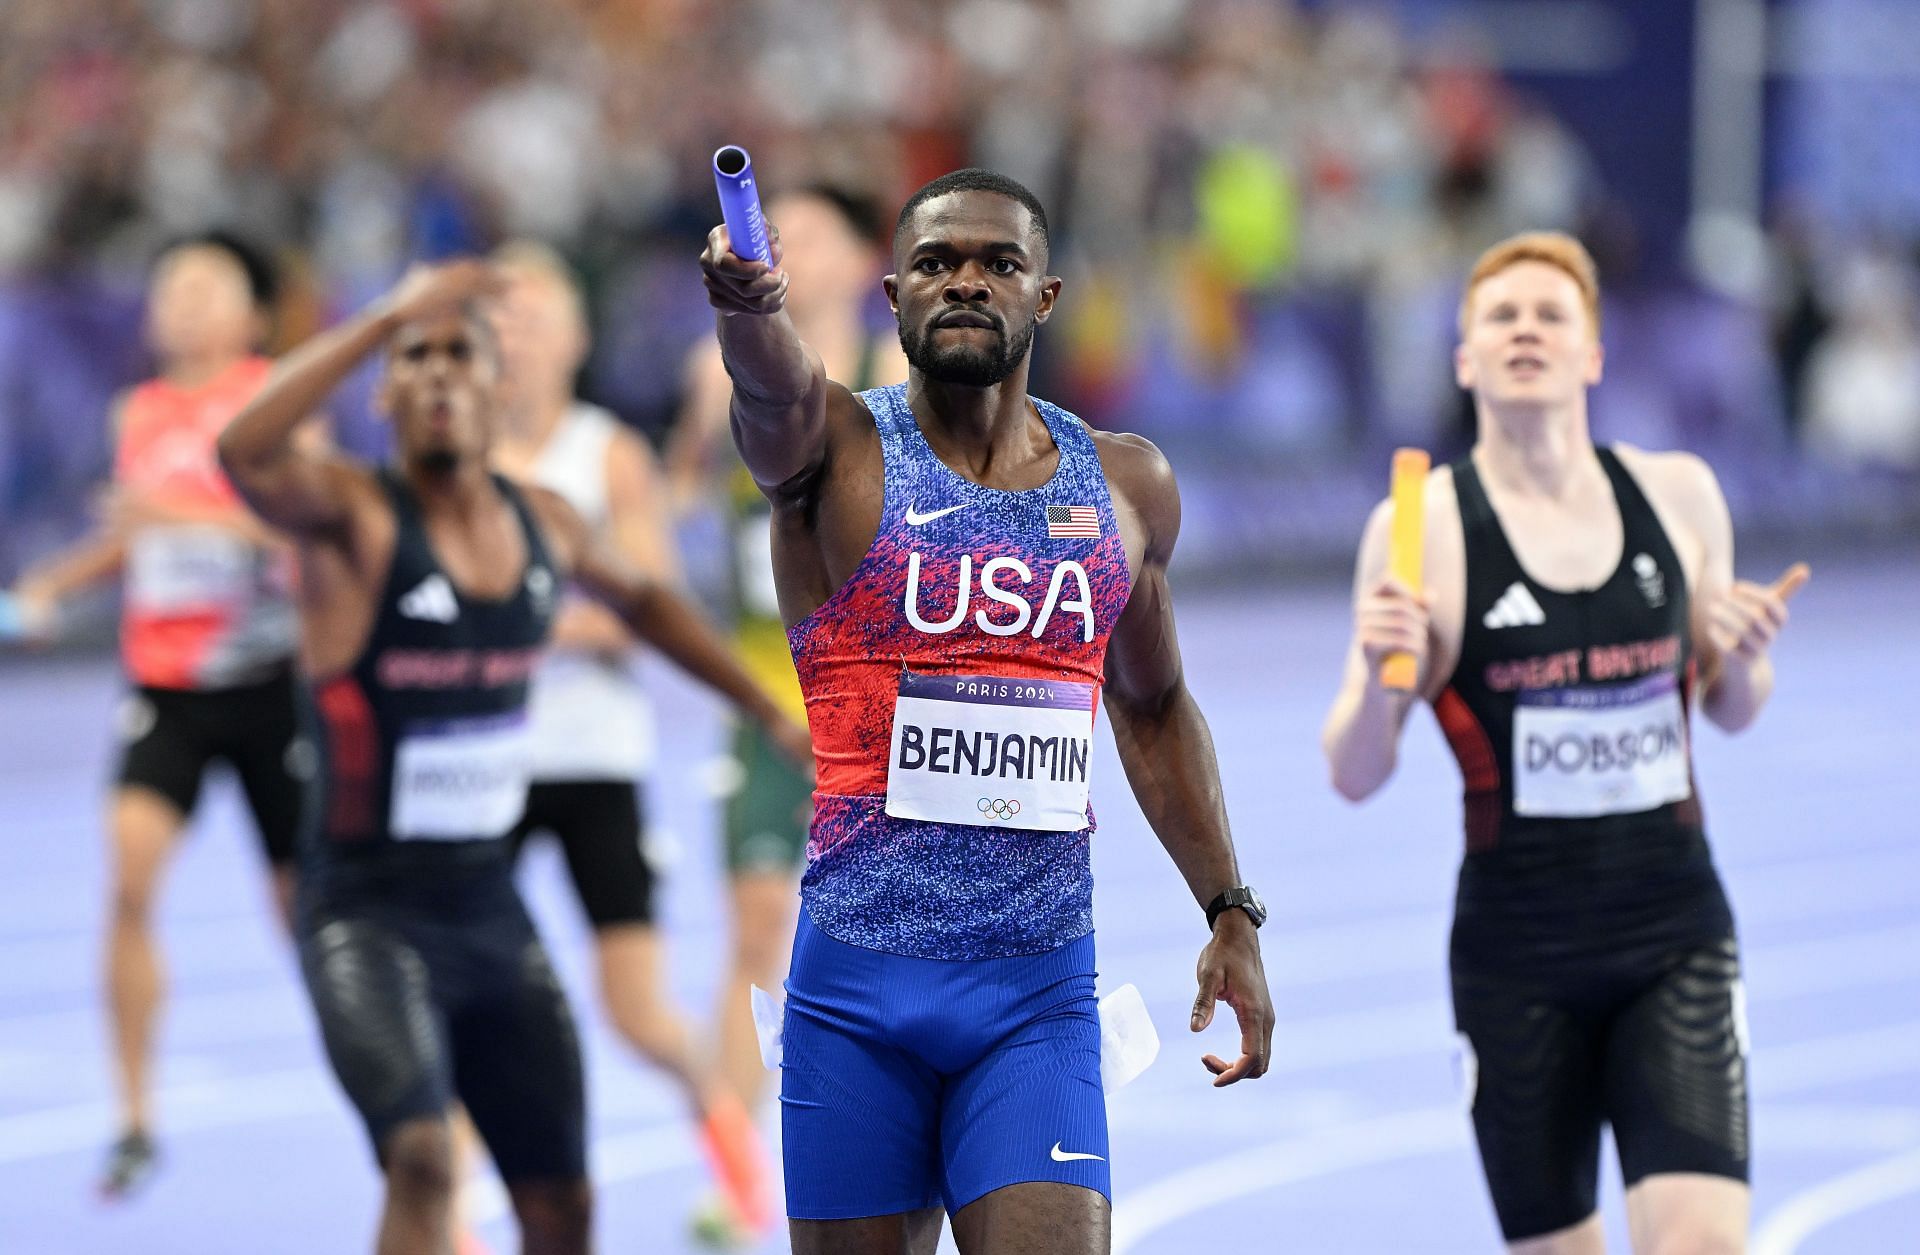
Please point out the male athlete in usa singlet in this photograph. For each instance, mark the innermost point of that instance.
(965, 572)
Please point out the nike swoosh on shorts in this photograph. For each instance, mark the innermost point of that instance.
(1068, 1156)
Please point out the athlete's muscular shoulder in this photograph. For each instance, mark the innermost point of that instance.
(343, 570)
(1146, 496)
(1685, 496)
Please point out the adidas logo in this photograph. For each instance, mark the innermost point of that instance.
(1516, 608)
(432, 600)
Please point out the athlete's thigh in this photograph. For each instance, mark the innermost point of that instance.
(859, 1115)
(372, 994)
(1031, 1110)
(1676, 1071)
(600, 829)
(164, 748)
(517, 1055)
(1536, 1096)
(909, 1233)
(277, 763)
(1035, 1218)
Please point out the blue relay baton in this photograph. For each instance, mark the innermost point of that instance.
(740, 204)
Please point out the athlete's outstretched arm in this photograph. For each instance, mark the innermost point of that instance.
(780, 385)
(1168, 755)
(43, 586)
(660, 614)
(293, 485)
(1361, 738)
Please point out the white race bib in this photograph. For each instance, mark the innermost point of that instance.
(178, 568)
(1602, 750)
(461, 779)
(991, 751)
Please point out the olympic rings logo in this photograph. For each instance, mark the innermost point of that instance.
(999, 807)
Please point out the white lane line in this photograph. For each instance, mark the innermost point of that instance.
(1809, 1064)
(1257, 1168)
(212, 1103)
(1811, 1210)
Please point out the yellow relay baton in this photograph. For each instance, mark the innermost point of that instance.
(1406, 550)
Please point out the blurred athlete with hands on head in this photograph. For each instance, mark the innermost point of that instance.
(428, 592)
(1579, 601)
(963, 570)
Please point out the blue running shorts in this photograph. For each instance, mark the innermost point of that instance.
(911, 1082)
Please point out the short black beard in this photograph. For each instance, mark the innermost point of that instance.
(436, 462)
(963, 366)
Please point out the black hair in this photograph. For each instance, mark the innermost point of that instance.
(859, 211)
(263, 281)
(974, 179)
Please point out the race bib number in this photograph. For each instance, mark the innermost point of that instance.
(1615, 750)
(460, 780)
(991, 751)
(181, 568)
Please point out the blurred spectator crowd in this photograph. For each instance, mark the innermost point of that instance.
(1262, 209)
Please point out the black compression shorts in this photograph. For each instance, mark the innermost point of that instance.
(1660, 1055)
(170, 737)
(600, 829)
(428, 992)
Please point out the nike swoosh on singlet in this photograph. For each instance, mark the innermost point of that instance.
(1068, 1156)
(915, 519)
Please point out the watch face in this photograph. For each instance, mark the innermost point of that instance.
(1259, 907)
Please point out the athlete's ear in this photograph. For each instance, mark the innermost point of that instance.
(1049, 293)
(1462, 367)
(1596, 364)
(891, 284)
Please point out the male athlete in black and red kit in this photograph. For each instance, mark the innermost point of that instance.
(428, 590)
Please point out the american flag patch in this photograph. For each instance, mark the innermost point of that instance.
(1073, 520)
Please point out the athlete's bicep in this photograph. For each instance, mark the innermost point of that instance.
(1143, 654)
(1703, 507)
(309, 488)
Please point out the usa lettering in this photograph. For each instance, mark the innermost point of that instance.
(998, 580)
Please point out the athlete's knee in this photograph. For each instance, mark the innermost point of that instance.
(144, 827)
(556, 1217)
(418, 1160)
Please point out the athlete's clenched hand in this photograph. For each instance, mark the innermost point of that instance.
(1391, 619)
(743, 285)
(1231, 972)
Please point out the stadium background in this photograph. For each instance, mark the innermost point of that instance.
(1262, 209)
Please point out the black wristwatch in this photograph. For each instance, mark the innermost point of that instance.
(1243, 897)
